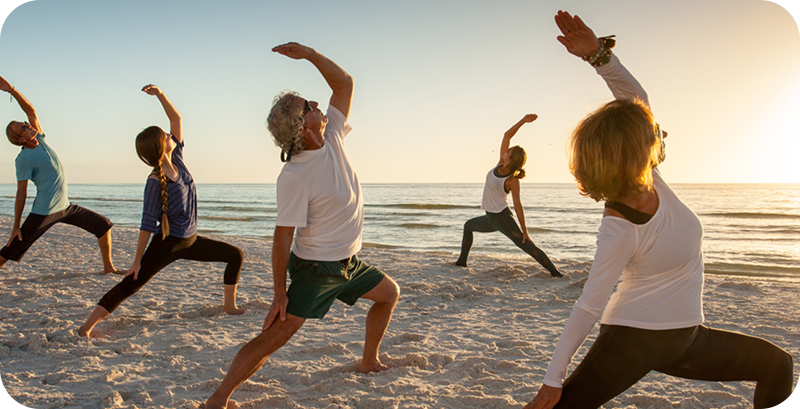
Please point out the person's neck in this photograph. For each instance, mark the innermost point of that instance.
(504, 169)
(646, 202)
(31, 143)
(314, 141)
(168, 168)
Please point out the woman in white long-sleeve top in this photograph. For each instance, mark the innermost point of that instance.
(653, 322)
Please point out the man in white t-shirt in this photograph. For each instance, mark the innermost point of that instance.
(319, 196)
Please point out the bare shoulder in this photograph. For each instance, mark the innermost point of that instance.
(512, 184)
(611, 212)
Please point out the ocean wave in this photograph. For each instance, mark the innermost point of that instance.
(104, 199)
(423, 206)
(752, 270)
(754, 215)
(236, 219)
(207, 201)
(240, 209)
(420, 226)
(380, 246)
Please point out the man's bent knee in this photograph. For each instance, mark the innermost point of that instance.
(387, 291)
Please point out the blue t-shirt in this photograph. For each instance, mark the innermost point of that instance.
(41, 166)
(182, 198)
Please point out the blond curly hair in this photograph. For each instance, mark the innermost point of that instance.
(285, 123)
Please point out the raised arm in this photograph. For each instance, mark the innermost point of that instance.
(172, 113)
(23, 103)
(580, 41)
(513, 131)
(338, 79)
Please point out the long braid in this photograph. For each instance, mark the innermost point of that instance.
(162, 177)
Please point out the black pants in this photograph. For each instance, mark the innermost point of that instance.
(35, 225)
(621, 356)
(161, 252)
(506, 224)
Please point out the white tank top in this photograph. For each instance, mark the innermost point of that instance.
(495, 196)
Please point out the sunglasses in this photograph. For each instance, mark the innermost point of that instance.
(307, 108)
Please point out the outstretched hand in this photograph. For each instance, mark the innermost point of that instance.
(577, 37)
(4, 85)
(529, 118)
(294, 50)
(151, 89)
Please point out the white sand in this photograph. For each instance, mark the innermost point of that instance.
(460, 338)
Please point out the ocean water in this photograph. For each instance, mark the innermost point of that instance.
(750, 229)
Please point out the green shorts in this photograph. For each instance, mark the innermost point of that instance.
(316, 284)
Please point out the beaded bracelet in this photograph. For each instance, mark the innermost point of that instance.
(593, 59)
(606, 58)
(603, 55)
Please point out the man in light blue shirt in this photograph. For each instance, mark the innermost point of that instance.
(39, 163)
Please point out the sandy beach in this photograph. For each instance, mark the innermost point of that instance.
(479, 337)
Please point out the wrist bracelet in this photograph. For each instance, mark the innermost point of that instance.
(604, 60)
(603, 56)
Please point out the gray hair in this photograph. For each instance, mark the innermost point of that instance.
(285, 123)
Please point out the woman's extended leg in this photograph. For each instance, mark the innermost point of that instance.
(158, 255)
(480, 224)
(505, 223)
(205, 249)
(718, 355)
(619, 357)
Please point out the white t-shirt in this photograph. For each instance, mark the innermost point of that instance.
(319, 194)
(661, 263)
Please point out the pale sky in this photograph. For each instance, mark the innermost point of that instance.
(437, 83)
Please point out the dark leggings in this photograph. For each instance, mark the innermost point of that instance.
(161, 253)
(621, 356)
(36, 225)
(506, 224)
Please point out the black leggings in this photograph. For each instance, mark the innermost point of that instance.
(36, 225)
(161, 253)
(621, 356)
(506, 224)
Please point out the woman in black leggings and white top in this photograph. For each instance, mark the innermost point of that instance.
(653, 322)
(500, 181)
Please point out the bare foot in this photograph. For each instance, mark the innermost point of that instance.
(372, 367)
(455, 263)
(231, 405)
(234, 311)
(113, 270)
(91, 334)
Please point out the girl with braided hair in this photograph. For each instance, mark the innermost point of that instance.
(170, 216)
